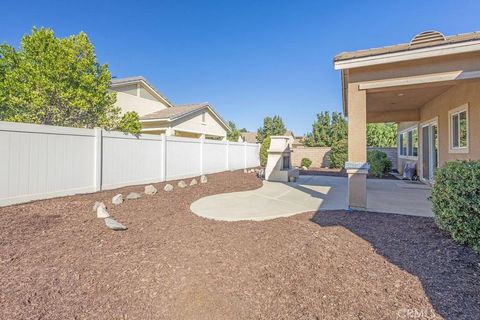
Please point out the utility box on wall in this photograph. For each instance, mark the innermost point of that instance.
(279, 163)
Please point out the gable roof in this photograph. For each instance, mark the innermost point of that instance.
(424, 41)
(117, 82)
(180, 111)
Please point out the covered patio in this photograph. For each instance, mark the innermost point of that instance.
(418, 85)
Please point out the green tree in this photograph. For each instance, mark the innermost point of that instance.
(327, 130)
(57, 81)
(234, 134)
(130, 123)
(382, 135)
(271, 127)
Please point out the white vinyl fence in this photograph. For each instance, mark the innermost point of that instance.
(39, 162)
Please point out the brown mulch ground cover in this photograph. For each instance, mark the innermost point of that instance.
(58, 261)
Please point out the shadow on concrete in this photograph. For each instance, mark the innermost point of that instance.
(449, 273)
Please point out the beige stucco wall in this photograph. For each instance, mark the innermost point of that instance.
(135, 97)
(194, 124)
(458, 95)
(318, 155)
(142, 106)
(438, 108)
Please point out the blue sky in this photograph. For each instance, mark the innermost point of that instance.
(249, 59)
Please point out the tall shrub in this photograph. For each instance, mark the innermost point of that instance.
(456, 201)
(339, 154)
(264, 151)
(379, 163)
(306, 163)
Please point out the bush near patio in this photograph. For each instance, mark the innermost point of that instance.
(306, 163)
(339, 154)
(379, 163)
(264, 151)
(456, 201)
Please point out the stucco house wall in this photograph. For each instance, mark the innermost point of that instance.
(194, 123)
(128, 102)
(438, 109)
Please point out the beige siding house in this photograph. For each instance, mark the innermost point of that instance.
(158, 115)
(429, 86)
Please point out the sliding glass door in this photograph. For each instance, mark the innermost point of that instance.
(429, 150)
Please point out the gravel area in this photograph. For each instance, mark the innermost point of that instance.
(58, 261)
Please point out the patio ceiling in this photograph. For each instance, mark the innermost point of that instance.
(402, 98)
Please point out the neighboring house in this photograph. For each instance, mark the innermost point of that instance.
(430, 87)
(158, 115)
(251, 137)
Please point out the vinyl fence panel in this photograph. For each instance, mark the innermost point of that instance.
(214, 156)
(236, 156)
(253, 155)
(128, 160)
(183, 158)
(39, 162)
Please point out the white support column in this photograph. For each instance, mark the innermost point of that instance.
(202, 141)
(163, 171)
(97, 172)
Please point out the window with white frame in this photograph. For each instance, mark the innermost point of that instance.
(408, 143)
(458, 119)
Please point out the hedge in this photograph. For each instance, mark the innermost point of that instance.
(456, 201)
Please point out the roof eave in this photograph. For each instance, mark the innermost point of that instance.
(412, 54)
(143, 81)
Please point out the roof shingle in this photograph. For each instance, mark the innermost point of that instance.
(174, 112)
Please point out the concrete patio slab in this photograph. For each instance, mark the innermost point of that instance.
(312, 193)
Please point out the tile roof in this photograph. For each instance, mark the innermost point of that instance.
(407, 46)
(179, 111)
(175, 112)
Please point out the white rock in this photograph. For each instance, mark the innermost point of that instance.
(182, 184)
(193, 182)
(150, 190)
(245, 171)
(102, 212)
(114, 224)
(168, 187)
(98, 204)
(133, 196)
(203, 179)
(118, 199)
(304, 168)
